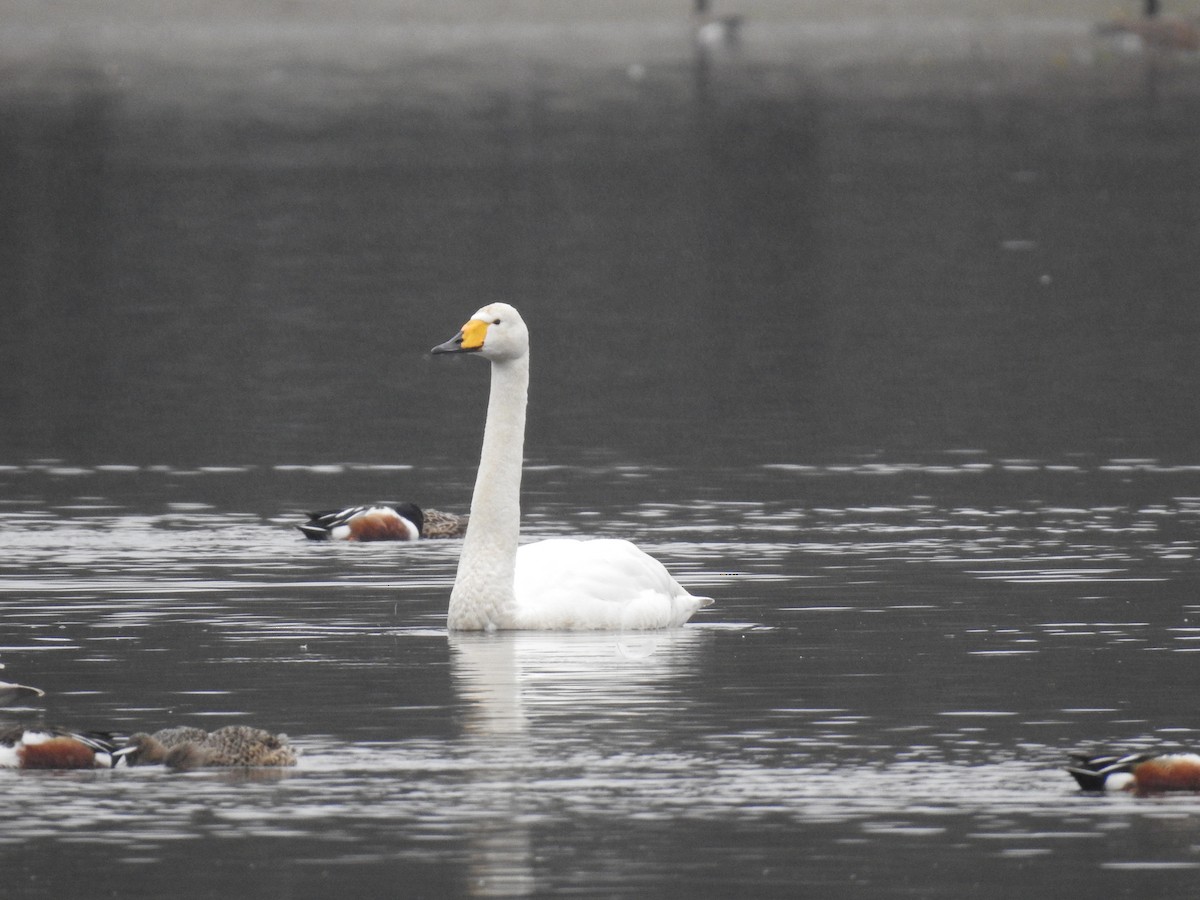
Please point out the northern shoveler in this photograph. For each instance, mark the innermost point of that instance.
(382, 522)
(194, 748)
(55, 748)
(440, 524)
(1141, 773)
(365, 523)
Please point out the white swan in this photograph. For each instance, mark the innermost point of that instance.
(556, 584)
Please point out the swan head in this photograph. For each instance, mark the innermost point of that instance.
(496, 332)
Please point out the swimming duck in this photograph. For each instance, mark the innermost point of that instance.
(401, 522)
(711, 28)
(1142, 773)
(10, 693)
(1167, 33)
(382, 522)
(54, 748)
(438, 524)
(194, 748)
(557, 584)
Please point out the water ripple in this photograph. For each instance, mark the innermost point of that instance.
(893, 675)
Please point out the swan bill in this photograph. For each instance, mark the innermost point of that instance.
(468, 340)
(454, 345)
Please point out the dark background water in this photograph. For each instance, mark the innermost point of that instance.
(878, 327)
(751, 256)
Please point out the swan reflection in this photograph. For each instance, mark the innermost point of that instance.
(512, 683)
(528, 699)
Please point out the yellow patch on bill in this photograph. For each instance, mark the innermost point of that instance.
(473, 334)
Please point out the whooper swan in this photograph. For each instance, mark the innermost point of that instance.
(558, 584)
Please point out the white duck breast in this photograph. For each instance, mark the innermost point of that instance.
(548, 585)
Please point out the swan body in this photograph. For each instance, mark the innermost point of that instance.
(597, 584)
(557, 584)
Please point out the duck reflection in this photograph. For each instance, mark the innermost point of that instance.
(528, 699)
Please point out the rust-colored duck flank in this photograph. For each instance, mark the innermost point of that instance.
(1140, 773)
(38, 747)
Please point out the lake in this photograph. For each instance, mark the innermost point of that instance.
(881, 333)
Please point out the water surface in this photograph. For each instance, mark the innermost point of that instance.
(881, 695)
(890, 353)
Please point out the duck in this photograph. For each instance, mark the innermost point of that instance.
(560, 584)
(382, 522)
(438, 524)
(23, 747)
(379, 522)
(1154, 32)
(195, 748)
(713, 29)
(1140, 773)
(10, 693)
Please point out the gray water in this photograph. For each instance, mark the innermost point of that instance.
(891, 354)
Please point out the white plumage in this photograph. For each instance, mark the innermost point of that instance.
(558, 584)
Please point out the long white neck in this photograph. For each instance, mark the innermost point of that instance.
(483, 589)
